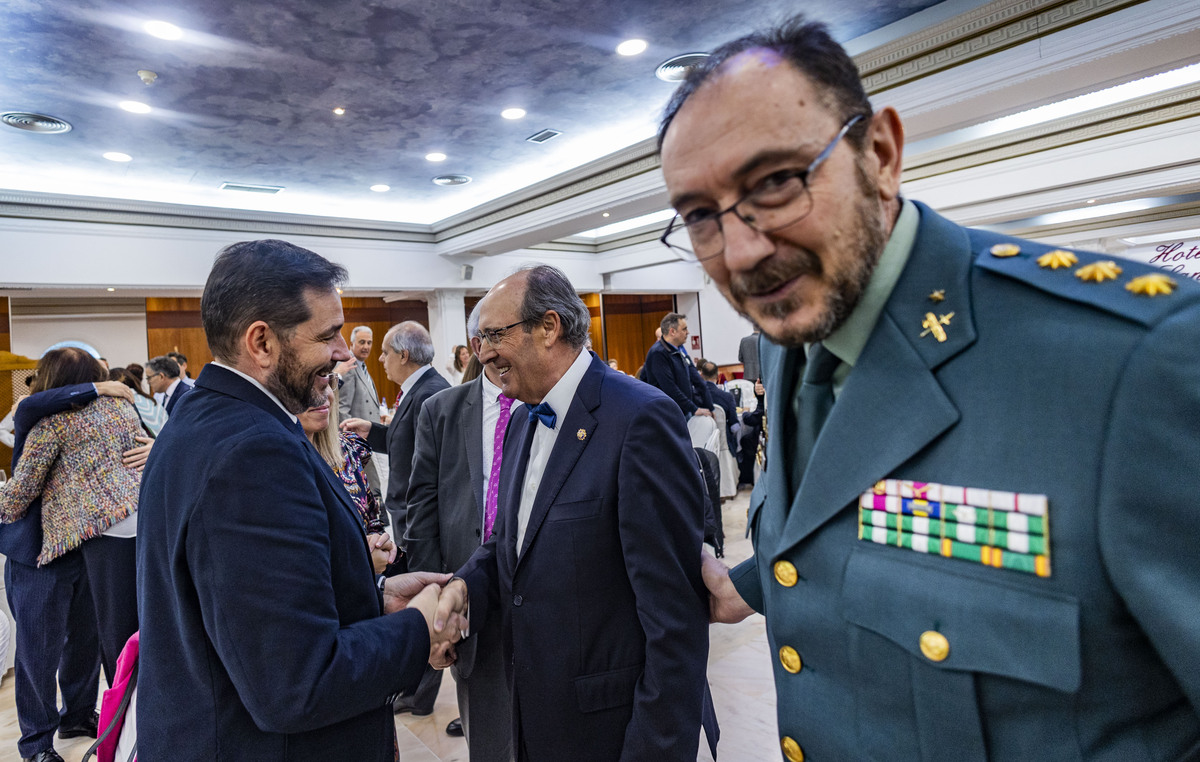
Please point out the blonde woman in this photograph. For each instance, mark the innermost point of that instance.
(346, 453)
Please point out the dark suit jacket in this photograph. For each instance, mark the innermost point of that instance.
(397, 439)
(177, 395)
(605, 615)
(261, 629)
(22, 540)
(1046, 384)
(668, 370)
(748, 357)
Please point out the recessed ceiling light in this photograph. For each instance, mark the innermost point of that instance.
(118, 156)
(1091, 200)
(451, 180)
(676, 69)
(163, 30)
(381, 188)
(135, 107)
(110, 289)
(513, 113)
(435, 156)
(606, 214)
(631, 47)
(339, 111)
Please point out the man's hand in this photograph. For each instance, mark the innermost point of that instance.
(136, 458)
(758, 388)
(358, 426)
(441, 643)
(399, 591)
(724, 603)
(704, 411)
(452, 608)
(114, 389)
(343, 368)
(383, 551)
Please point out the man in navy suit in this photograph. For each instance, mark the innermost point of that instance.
(162, 373)
(593, 568)
(51, 605)
(263, 626)
(670, 369)
(975, 537)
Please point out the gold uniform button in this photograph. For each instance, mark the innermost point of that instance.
(785, 573)
(791, 749)
(789, 659)
(934, 645)
(1003, 250)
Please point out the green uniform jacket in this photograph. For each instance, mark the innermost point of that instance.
(1046, 384)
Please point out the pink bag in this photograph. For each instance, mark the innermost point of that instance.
(114, 703)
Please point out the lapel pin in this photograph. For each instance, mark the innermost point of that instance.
(1057, 258)
(938, 296)
(581, 434)
(933, 324)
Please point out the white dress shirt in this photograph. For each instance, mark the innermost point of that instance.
(559, 399)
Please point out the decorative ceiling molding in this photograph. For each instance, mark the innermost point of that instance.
(1032, 229)
(975, 34)
(1182, 103)
(47, 206)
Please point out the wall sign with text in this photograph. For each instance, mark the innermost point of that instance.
(1180, 258)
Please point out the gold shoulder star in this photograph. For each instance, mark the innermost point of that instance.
(1006, 250)
(938, 295)
(1151, 285)
(1098, 272)
(1057, 258)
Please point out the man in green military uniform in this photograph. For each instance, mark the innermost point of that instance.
(975, 535)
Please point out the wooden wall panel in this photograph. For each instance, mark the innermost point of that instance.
(379, 316)
(596, 331)
(629, 323)
(173, 325)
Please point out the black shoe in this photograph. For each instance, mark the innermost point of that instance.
(455, 728)
(402, 705)
(85, 728)
(48, 755)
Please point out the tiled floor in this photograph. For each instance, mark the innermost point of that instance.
(739, 671)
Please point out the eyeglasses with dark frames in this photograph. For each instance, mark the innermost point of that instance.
(493, 336)
(779, 200)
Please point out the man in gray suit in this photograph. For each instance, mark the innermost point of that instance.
(357, 397)
(454, 483)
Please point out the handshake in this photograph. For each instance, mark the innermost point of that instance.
(441, 600)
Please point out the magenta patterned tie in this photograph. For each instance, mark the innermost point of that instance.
(493, 489)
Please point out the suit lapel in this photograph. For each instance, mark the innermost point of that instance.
(568, 447)
(892, 405)
(473, 444)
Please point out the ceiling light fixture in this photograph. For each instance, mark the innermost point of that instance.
(606, 214)
(676, 69)
(339, 111)
(135, 107)
(163, 30)
(110, 289)
(435, 156)
(448, 180)
(117, 156)
(513, 113)
(631, 47)
(147, 77)
(1091, 200)
(23, 120)
(381, 188)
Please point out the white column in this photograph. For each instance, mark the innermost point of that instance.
(447, 324)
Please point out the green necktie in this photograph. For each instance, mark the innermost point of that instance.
(810, 408)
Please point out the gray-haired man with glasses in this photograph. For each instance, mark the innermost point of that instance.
(934, 395)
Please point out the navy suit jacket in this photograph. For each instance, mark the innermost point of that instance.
(180, 390)
(604, 614)
(22, 540)
(1046, 384)
(677, 377)
(398, 439)
(261, 629)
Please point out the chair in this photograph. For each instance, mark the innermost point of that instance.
(729, 466)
